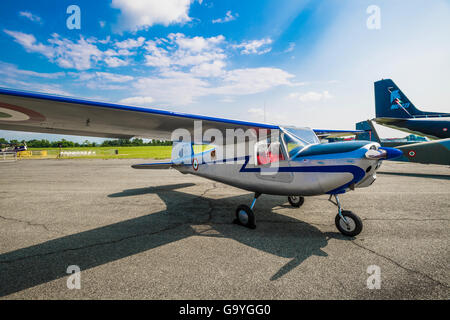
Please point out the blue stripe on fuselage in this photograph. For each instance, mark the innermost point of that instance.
(357, 172)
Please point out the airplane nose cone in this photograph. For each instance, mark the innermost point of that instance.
(392, 153)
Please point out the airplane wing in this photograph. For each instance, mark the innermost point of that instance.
(36, 112)
(324, 134)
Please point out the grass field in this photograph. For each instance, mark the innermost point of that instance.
(149, 152)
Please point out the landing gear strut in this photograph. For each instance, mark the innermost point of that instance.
(244, 214)
(348, 223)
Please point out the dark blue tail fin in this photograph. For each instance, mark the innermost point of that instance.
(391, 102)
(369, 134)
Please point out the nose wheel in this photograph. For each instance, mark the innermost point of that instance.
(351, 226)
(348, 223)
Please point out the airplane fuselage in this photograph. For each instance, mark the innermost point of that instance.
(434, 129)
(306, 176)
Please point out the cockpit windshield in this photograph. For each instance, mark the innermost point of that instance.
(296, 139)
(304, 134)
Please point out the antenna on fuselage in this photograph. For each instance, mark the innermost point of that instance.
(264, 111)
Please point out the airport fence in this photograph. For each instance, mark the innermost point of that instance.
(66, 153)
(147, 152)
(8, 156)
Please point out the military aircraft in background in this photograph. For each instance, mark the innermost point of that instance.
(393, 109)
(258, 157)
(427, 152)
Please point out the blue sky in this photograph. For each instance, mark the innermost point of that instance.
(311, 63)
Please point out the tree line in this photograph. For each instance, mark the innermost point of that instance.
(63, 143)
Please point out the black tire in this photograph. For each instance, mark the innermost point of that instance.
(355, 224)
(296, 201)
(245, 217)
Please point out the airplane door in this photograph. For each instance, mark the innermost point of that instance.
(269, 157)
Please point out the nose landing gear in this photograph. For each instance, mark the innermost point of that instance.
(348, 223)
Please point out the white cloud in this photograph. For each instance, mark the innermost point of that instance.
(141, 14)
(179, 50)
(102, 76)
(114, 77)
(253, 80)
(101, 80)
(106, 41)
(130, 43)
(173, 87)
(213, 69)
(158, 57)
(65, 53)
(115, 62)
(81, 55)
(189, 59)
(227, 100)
(30, 16)
(311, 96)
(196, 44)
(28, 41)
(137, 101)
(270, 115)
(11, 70)
(184, 68)
(255, 46)
(181, 88)
(228, 17)
(34, 86)
(256, 112)
(290, 48)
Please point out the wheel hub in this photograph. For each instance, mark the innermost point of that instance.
(243, 217)
(350, 225)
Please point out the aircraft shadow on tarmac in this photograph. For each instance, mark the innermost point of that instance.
(276, 234)
(417, 175)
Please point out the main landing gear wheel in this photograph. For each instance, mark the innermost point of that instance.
(244, 214)
(245, 217)
(348, 223)
(296, 201)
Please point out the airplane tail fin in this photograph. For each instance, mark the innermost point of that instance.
(182, 152)
(391, 102)
(369, 134)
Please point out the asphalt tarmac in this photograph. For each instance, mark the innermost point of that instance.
(159, 234)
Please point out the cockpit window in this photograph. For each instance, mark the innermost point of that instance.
(293, 144)
(296, 139)
(304, 134)
(267, 152)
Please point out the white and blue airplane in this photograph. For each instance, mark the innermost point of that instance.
(271, 159)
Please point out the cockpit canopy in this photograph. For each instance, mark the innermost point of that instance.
(305, 134)
(295, 139)
(287, 145)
